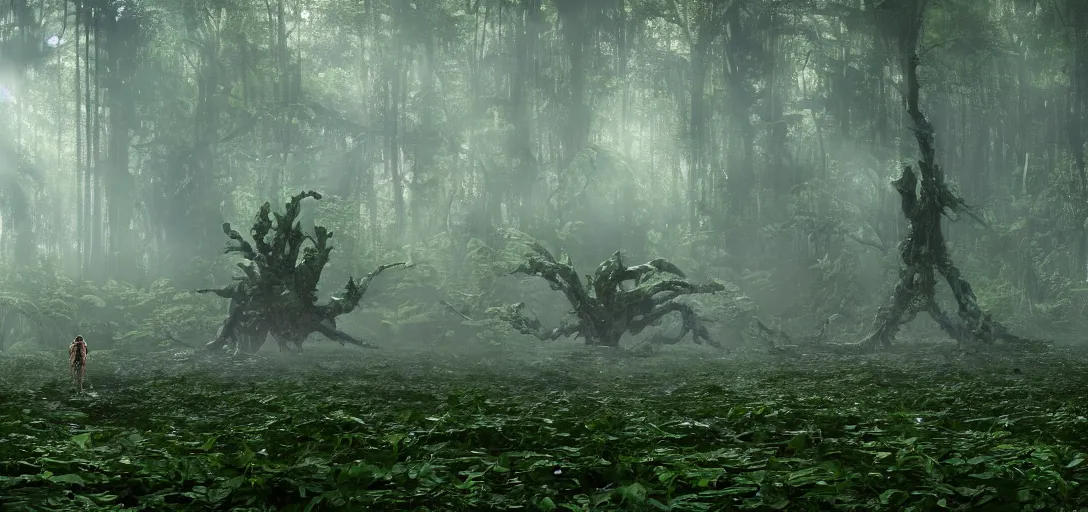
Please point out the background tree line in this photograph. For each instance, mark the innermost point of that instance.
(751, 141)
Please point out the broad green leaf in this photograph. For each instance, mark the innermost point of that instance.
(635, 493)
(887, 495)
(70, 478)
(81, 440)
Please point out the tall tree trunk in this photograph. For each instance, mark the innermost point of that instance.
(98, 213)
(520, 150)
(699, 112)
(283, 80)
(575, 19)
(392, 123)
(120, 32)
(89, 224)
(427, 142)
(741, 172)
(623, 55)
(81, 169)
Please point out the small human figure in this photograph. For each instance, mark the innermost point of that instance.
(77, 361)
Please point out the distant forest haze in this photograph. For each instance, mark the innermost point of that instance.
(752, 143)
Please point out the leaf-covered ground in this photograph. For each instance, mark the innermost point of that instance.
(557, 428)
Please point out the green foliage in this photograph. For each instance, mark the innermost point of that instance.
(53, 309)
(458, 270)
(428, 432)
(1026, 258)
(150, 317)
(19, 317)
(835, 288)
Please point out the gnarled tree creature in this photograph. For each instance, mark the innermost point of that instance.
(604, 307)
(925, 199)
(277, 293)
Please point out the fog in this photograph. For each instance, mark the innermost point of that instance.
(722, 181)
(751, 143)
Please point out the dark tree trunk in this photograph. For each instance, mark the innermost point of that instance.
(576, 17)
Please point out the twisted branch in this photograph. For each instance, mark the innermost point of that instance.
(603, 315)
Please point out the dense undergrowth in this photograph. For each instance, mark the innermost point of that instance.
(556, 428)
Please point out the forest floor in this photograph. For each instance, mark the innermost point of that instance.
(558, 427)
